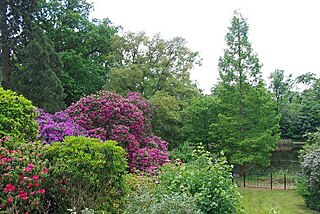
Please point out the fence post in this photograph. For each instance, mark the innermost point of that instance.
(271, 179)
(244, 179)
(232, 174)
(285, 181)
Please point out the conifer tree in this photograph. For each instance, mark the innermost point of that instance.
(38, 76)
(247, 125)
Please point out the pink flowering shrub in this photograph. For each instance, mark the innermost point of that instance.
(53, 128)
(126, 120)
(23, 172)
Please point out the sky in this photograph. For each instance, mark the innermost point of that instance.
(284, 33)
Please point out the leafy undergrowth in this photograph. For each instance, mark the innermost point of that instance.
(273, 201)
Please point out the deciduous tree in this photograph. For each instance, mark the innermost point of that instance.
(82, 44)
(147, 65)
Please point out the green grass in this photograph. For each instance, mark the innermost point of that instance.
(257, 201)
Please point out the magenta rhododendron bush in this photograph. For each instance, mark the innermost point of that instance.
(126, 120)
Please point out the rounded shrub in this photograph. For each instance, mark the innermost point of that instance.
(146, 197)
(86, 173)
(207, 179)
(309, 180)
(17, 116)
(309, 183)
(109, 116)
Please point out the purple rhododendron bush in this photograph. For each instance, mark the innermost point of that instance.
(53, 128)
(127, 120)
(109, 116)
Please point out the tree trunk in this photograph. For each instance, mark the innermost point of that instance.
(241, 82)
(5, 48)
(242, 169)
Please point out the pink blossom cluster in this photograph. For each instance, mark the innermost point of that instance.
(22, 177)
(126, 120)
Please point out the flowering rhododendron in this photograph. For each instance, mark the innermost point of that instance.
(53, 128)
(23, 172)
(126, 120)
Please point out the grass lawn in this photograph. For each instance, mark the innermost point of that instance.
(282, 201)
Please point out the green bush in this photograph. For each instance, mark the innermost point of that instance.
(183, 152)
(147, 197)
(309, 182)
(207, 179)
(86, 173)
(17, 116)
(157, 203)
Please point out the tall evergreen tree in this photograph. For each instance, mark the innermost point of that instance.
(38, 76)
(247, 125)
(15, 17)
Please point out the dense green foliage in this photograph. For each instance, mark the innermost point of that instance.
(309, 182)
(167, 120)
(198, 117)
(16, 18)
(86, 173)
(308, 110)
(17, 116)
(297, 103)
(159, 203)
(183, 152)
(82, 44)
(147, 65)
(38, 76)
(207, 179)
(247, 125)
(54, 46)
(281, 88)
(147, 196)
